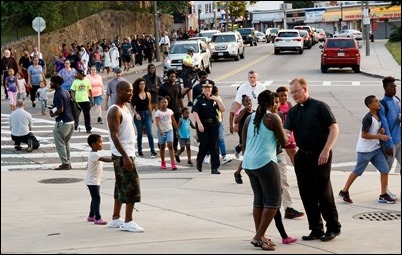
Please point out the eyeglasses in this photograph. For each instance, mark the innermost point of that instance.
(253, 94)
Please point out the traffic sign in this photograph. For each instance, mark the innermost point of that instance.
(39, 24)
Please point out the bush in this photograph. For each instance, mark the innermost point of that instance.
(395, 36)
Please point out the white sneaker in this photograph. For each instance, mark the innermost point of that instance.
(116, 223)
(226, 159)
(131, 226)
(206, 159)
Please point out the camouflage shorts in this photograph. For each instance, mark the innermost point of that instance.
(127, 184)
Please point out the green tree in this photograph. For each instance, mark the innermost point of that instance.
(300, 4)
(236, 9)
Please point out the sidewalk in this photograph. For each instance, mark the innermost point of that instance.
(380, 63)
(182, 212)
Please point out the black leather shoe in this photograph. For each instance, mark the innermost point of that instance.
(199, 167)
(215, 171)
(328, 236)
(312, 236)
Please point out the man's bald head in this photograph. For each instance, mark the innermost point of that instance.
(122, 85)
(20, 103)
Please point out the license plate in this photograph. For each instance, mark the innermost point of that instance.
(179, 68)
(288, 40)
(220, 54)
(341, 54)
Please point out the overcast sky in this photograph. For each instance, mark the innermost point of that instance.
(265, 5)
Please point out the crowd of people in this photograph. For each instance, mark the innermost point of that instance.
(267, 124)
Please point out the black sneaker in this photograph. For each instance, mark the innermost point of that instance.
(237, 177)
(33, 105)
(199, 167)
(153, 154)
(215, 171)
(18, 147)
(30, 145)
(291, 213)
(190, 104)
(190, 163)
(140, 154)
(100, 120)
(177, 158)
(386, 199)
(345, 196)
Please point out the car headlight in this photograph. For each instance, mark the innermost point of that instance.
(231, 45)
(211, 46)
(168, 61)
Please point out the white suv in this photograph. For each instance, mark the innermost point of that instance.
(288, 40)
(227, 45)
(201, 57)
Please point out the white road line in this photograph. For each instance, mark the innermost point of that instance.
(325, 83)
(356, 83)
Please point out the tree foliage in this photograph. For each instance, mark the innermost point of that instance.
(236, 9)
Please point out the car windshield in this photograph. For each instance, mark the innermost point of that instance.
(244, 31)
(182, 48)
(274, 30)
(208, 34)
(341, 44)
(288, 34)
(223, 38)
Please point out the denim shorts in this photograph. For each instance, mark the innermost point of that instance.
(98, 100)
(166, 137)
(184, 141)
(376, 157)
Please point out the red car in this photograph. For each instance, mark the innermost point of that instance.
(340, 53)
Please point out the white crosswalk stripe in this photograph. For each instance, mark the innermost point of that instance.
(39, 159)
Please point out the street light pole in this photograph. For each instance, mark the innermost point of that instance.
(157, 32)
(199, 19)
(227, 16)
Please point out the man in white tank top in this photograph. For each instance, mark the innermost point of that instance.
(122, 143)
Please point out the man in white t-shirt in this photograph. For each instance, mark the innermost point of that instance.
(164, 43)
(251, 88)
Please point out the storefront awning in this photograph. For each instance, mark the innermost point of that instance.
(376, 12)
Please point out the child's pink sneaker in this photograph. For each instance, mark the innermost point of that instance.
(100, 222)
(163, 165)
(289, 240)
(174, 167)
(91, 219)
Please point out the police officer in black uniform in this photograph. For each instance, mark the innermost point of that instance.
(205, 112)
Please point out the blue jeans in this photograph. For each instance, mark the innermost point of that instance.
(221, 141)
(146, 121)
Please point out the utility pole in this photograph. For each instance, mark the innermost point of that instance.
(215, 10)
(367, 28)
(157, 32)
(227, 16)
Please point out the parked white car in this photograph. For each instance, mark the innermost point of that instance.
(201, 57)
(260, 36)
(288, 40)
(350, 33)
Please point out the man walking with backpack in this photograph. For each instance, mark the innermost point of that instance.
(390, 114)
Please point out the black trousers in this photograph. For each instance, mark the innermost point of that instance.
(86, 108)
(209, 144)
(315, 190)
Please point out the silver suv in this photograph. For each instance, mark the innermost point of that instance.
(227, 45)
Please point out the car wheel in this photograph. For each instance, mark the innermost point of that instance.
(324, 69)
(242, 55)
(276, 51)
(356, 68)
(251, 43)
(237, 58)
(208, 69)
(301, 51)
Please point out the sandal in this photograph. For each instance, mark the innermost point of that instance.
(265, 245)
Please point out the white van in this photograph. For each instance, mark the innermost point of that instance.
(227, 45)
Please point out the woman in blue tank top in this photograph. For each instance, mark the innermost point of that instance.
(261, 133)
